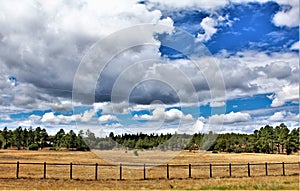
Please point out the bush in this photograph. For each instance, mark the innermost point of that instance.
(215, 152)
(238, 150)
(6, 145)
(248, 150)
(230, 150)
(33, 147)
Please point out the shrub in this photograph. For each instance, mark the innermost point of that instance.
(238, 150)
(230, 150)
(6, 145)
(33, 147)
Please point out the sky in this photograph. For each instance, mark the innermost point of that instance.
(149, 66)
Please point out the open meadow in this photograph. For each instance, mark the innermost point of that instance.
(147, 177)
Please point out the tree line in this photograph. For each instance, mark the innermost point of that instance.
(38, 138)
(267, 139)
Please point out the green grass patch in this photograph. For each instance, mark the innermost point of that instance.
(269, 186)
(225, 187)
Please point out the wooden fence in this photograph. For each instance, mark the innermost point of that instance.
(167, 171)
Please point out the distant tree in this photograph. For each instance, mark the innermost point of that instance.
(17, 137)
(59, 139)
(24, 137)
(5, 134)
(276, 138)
(81, 145)
(293, 141)
(43, 138)
(266, 139)
(283, 137)
(111, 135)
(38, 136)
(90, 139)
(31, 136)
(139, 144)
(70, 140)
(129, 143)
(221, 143)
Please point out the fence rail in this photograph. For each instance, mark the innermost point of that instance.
(193, 170)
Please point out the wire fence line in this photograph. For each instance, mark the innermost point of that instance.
(144, 170)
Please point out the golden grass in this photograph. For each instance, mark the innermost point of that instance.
(83, 176)
(183, 157)
(254, 183)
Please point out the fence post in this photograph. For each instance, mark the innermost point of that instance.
(17, 171)
(144, 171)
(230, 169)
(96, 171)
(71, 173)
(248, 169)
(168, 175)
(190, 171)
(120, 171)
(283, 171)
(210, 170)
(45, 166)
(266, 168)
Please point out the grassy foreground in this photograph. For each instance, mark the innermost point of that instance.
(256, 183)
(57, 178)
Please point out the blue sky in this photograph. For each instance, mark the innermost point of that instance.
(225, 66)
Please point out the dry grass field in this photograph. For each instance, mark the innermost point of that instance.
(57, 177)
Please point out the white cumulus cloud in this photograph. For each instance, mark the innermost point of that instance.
(86, 116)
(295, 46)
(230, 118)
(198, 125)
(289, 16)
(217, 104)
(202, 4)
(278, 116)
(56, 119)
(209, 26)
(107, 118)
(288, 93)
(168, 116)
(50, 117)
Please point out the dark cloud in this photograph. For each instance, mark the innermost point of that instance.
(279, 70)
(43, 45)
(150, 91)
(238, 76)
